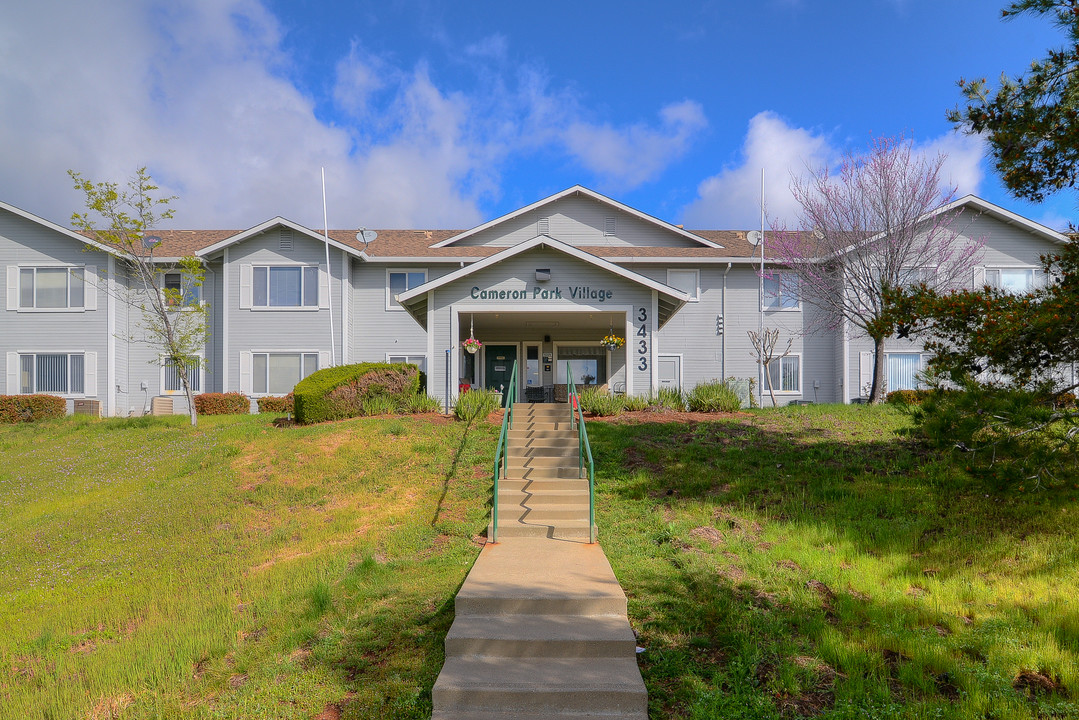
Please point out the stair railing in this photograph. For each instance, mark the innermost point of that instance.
(502, 452)
(584, 450)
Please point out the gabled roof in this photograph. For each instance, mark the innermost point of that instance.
(58, 228)
(268, 225)
(415, 300)
(581, 190)
(1003, 215)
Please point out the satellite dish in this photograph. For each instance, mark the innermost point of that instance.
(754, 237)
(366, 236)
(151, 241)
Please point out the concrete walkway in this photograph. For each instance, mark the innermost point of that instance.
(541, 628)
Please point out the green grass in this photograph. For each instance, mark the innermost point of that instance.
(236, 570)
(802, 561)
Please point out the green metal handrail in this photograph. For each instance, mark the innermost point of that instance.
(584, 450)
(502, 452)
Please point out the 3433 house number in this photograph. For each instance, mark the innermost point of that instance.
(642, 343)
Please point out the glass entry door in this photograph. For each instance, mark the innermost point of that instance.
(498, 364)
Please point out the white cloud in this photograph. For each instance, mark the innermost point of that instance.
(202, 93)
(731, 198)
(627, 157)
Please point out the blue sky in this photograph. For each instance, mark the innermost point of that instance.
(439, 114)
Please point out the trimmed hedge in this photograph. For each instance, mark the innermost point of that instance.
(31, 408)
(907, 397)
(276, 403)
(232, 403)
(340, 392)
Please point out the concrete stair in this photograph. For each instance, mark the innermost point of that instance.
(543, 494)
(540, 632)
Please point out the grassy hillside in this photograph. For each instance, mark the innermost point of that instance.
(800, 562)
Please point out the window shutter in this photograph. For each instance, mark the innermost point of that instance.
(90, 285)
(13, 373)
(323, 288)
(245, 288)
(323, 359)
(12, 287)
(865, 368)
(89, 367)
(979, 278)
(245, 372)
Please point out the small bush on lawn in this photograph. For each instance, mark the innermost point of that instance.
(635, 403)
(340, 392)
(275, 403)
(907, 397)
(667, 400)
(420, 403)
(379, 405)
(232, 403)
(31, 408)
(714, 396)
(600, 402)
(476, 404)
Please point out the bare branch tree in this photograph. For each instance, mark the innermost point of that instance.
(764, 352)
(881, 223)
(169, 319)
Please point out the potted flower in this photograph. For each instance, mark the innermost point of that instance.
(612, 342)
(472, 345)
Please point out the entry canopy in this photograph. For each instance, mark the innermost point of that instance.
(671, 299)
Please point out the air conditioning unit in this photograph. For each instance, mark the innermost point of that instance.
(161, 406)
(88, 407)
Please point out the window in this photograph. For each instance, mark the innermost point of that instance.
(52, 288)
(419, 361)
(688, 281)
(399, 281)
(781, 291)
(1014, 280)
(786, 374)
(57, 373)
(184, 290)
(903, 370)
(278, 373)
(172, 384)
(284, 286)
(911, 277)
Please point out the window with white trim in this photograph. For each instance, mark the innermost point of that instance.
(185, 291)
(399, 281)
(52, 288)
(912, 277)
(284, 286)
(171, 376)
(688, 281)
(419, 361)
(904, 370)
(786, 374)
(1015, 281)
(781, 291)
(278, 373)
(55, 373)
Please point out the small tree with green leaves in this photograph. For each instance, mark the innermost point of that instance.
(120, 219)
(764, 346)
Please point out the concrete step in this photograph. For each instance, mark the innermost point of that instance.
(517, 715)
(534, 497)
(526, 433)
(544, 473)
(543, 460)
(541, 636)
(549, 514)
(562, 450)
(560, 425)
(569, 530)
(542, 486)
(531, 443)
(596, 685)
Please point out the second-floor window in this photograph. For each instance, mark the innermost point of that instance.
(185, 291)
(1015, 280)
(288, 286)
(781, 291)
(399, 281)
(52, 288)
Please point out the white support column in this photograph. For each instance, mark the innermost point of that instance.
(225, 308)
(346, 295)
(431, 338)
(654, 326)
(110, 354)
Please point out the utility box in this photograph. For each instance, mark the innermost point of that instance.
(161, 406)
(88, 407)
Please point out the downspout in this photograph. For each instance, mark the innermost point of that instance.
(723, 335)
(209, 316)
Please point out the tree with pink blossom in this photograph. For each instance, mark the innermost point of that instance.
(881, 221)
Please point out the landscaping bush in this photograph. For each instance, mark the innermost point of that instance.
(232, 403)
(476, 404)
(31, 408)
(600, 402)
(275, 403)
(714, 396)
(379, 405)
(340, 392)
(667, 400)
(420, 403)
(635, 403)
(907, 397)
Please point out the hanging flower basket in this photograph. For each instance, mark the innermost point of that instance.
(472, 345)
(612, 342)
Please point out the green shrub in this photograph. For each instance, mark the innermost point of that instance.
(340, 392)
(476, 404)
(379, 405)
(600, 402)
(276, 403)
(635, 403)
(31, 408)
(714, 396)
(667, 400)
(232, 403)
(907, 397)
(420, 403)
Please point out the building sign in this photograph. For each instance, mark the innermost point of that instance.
(575, 292)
